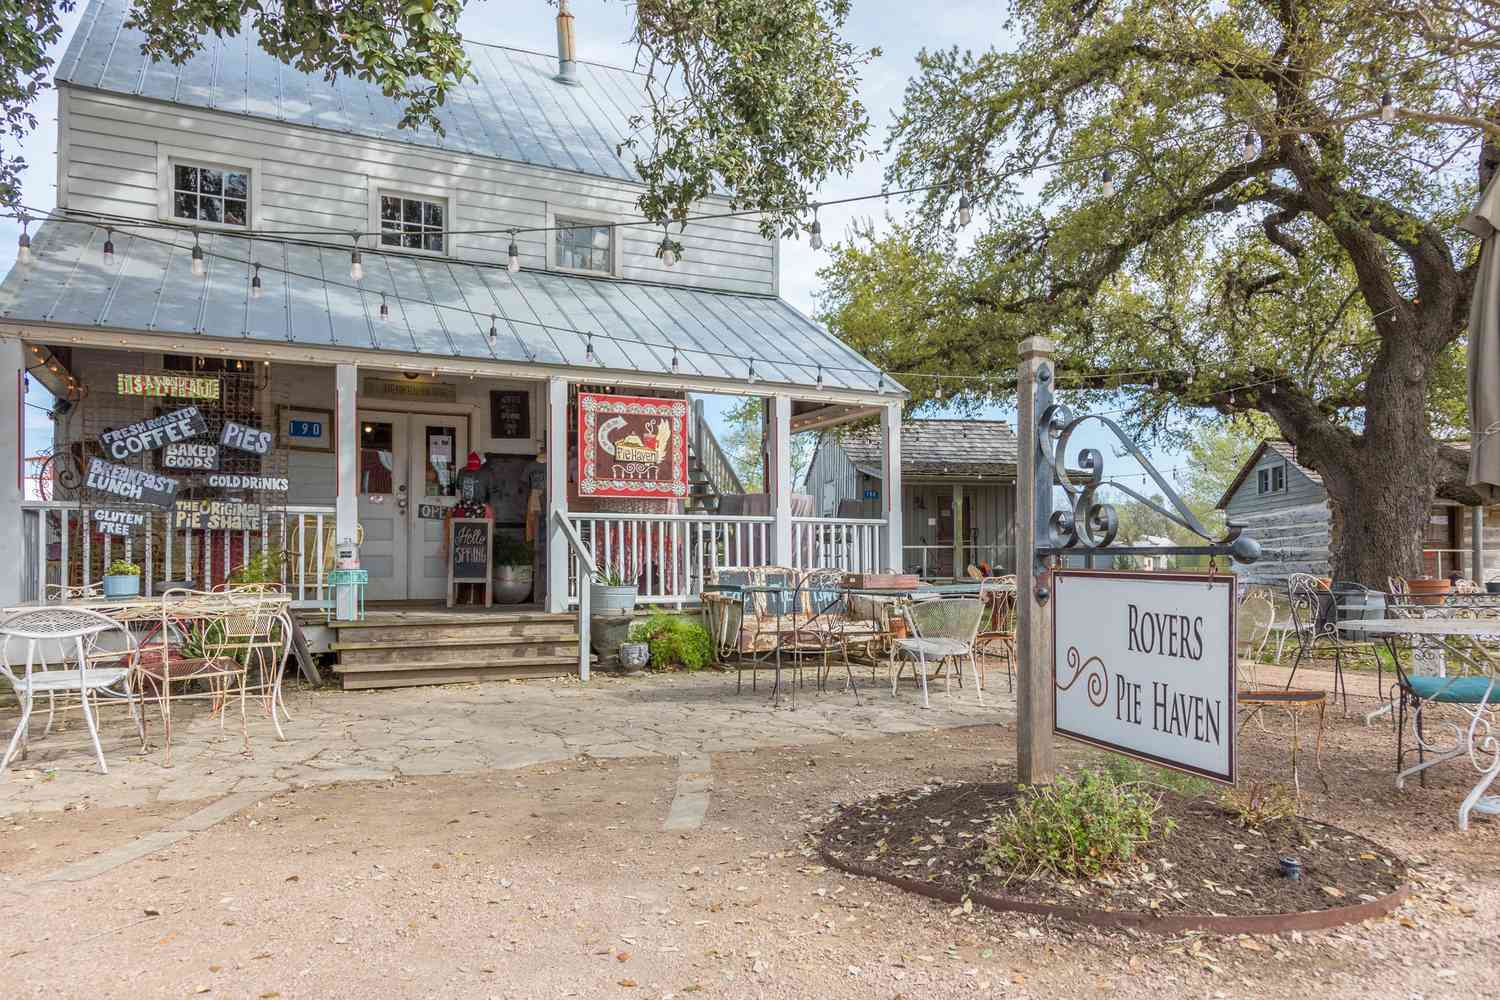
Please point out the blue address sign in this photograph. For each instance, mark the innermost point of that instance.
(305, 428)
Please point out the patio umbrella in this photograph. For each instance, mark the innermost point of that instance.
(1484, 344)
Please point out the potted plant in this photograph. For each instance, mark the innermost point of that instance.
(1428, 589)
(513, 561)
(123, 579)
(610, 592)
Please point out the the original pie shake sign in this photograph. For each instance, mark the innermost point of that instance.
(1144, 665)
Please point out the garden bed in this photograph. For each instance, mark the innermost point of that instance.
(1208, 872)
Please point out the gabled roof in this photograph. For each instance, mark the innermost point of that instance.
(513, 108)
(1283, 448)
(939, 447)
(438, 308)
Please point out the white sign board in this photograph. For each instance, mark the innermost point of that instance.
(1144, 664)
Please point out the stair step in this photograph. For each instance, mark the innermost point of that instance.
(447, 672)
(449, 664)
(480, 652)
(439, 632)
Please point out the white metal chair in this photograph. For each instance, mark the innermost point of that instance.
(74, 634)
(943, 630)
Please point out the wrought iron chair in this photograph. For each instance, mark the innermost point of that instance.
(821, 624)
(71, 635)
(1313, 622)
(997, 633)
(944, 630)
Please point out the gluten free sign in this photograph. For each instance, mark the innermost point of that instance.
(1144, 664)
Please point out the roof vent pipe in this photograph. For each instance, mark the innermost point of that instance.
(567, 67)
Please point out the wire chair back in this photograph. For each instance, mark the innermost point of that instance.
(955, 618)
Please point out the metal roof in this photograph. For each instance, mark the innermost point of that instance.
(438, 307)
(512, 109)
(938, 447)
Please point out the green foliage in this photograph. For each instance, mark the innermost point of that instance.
(204, 640)
(513, 550)
(1260, 803)
(608, 576)
(263, 567)
(124, 567)
(743, 442)
(674, 642)
(1129, 771)
(1074, 828)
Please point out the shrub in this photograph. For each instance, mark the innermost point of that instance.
(1129, 771)
(1260, 803)
(674, 642)
(124, 567)
(1075, 827)
(263, 567)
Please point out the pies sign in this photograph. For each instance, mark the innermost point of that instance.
(632, 446)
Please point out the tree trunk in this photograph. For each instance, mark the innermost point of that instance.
(1379, 514)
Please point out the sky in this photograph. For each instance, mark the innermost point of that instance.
(602, 32)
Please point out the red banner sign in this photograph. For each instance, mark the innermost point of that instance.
(632, 446)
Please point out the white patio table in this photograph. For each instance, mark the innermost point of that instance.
(1476, 693)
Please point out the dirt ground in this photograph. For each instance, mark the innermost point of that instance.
(558, 881)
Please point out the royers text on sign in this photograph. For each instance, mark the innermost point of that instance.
(1144, 664)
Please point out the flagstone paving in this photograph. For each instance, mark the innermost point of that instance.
(338, 736)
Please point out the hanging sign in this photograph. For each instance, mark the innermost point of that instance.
(471, 542)
(510, 413)
(216, 515)
(178, 386)
(631, 446)
(130, 483)
(1144, 664)
(148, 435)
(195, 455)
(117, 522)
(235, 481)
(251, 439)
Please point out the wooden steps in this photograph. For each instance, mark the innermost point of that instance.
(406, 648)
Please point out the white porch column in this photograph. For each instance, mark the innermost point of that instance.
(779, 481)
(890, 485)
(12, 490)
(346, 501)
(558, 554)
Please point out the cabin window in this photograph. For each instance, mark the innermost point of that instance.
(413, 223)
(216, 195)
(584, 246)
(1271, 479)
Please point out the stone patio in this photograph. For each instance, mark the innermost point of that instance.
(338, 736)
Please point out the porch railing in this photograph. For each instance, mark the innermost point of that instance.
(61, 551)
(671, 556)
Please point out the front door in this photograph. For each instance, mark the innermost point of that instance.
(407, 468)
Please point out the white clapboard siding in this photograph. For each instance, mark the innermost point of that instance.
(314, 179)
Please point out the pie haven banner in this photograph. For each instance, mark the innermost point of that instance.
(1144, 664)
(632, 446)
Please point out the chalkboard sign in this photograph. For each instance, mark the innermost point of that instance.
(471, 542)
(510, 413)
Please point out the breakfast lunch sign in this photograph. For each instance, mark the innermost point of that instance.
(632, 446)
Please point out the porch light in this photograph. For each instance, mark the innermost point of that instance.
(1249, 148)
(816, 242)
(965, 208)
(513, 256)
(255, 283)
(109, 246)
(880, 385)
(1387, 108)
(197, 258)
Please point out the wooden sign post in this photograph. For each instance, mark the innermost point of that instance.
(471, 546)
(1035, 761)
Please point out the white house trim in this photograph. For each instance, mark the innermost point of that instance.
(167, 155)
(591, 217)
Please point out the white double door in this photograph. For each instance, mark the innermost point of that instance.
(408, 467)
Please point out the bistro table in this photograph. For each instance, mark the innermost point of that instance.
(1477, 694)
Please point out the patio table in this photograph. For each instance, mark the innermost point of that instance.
(1478, 694)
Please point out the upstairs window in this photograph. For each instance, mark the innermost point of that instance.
(218, 195)
(413, 223)
(1271, 479)
(584, 246)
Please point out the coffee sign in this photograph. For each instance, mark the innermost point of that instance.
(130, 483)
(148, 435)
(1144, 664)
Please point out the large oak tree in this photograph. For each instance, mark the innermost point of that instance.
(1272, 240)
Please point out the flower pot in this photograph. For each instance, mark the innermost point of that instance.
(898, 628)
(603, 598)
(512, 584)
(634, 655)
(122, 586)
(1428, 590)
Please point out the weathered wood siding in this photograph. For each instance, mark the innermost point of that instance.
(1300, 490)
(111, 147)
(1293, 540)
(834, 483)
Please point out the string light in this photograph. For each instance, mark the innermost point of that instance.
(197, 256)
(356, 268)
(109, 246)
(513, 255)
(23, 245)
(965, 207)
(880, 385)
(255, 282)
(665, 252)
(494, 334)
(816, 242)
(385, 310)
(750, 370)
(819, 382)
(588, 348)
(675, 364)
(1387, 108)
(1107, 183)
(1250, 147)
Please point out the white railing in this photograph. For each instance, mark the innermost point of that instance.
(671, 556)
(581, 573)
(850, 544)
(61, 552)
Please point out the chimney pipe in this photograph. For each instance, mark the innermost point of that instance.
(567, 68)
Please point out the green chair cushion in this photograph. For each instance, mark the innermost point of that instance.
(1454, 690)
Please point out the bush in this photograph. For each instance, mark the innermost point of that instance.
(1259, 804)
(1075, 828)
(263, 567)
(124, 567)
(674, 642)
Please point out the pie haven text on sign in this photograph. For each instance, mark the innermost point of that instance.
(632, 446)
(1144, 664)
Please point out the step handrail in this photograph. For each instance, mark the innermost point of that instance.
(584, 560)
(711, 455)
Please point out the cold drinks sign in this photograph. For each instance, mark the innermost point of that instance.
(1144, 665)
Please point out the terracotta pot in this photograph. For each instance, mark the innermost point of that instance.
(1428, 590)
(898, 628)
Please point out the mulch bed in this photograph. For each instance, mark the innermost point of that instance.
(1208, 864)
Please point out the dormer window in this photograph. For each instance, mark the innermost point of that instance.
(413, 223)
(216, 195)
(1271, 480)
(583, 245)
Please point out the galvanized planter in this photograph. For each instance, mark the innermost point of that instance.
(605, 598)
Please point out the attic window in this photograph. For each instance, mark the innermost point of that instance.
(584, 246)
(216, 195)
(1271, 479)
(412, 223)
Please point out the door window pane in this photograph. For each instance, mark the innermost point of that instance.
(376, 457)
(440, 451)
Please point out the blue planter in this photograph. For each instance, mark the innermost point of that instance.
(122, 586)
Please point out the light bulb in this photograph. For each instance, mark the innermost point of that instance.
(197, 261)
(819, 382)
(965, 210)
(1107, 183)
(668, 255)
(750, 371)
(255, 283)
(1387, 108)
(1250, 147)
(23, 248)
(356, 268)
(385, 310)
(494, 334)
(817, 235)
(109, 246)
(675, 364)
(513, 256)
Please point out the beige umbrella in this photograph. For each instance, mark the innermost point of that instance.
(1484, 344)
